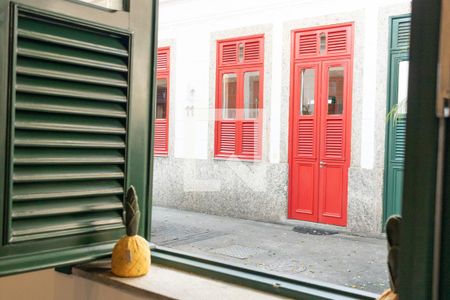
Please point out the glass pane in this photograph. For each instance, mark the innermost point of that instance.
(251, 94)
(402, 89)
(335, 90)
(307, 88)
(161, 98)
(229, 89)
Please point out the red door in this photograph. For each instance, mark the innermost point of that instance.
(320, 114)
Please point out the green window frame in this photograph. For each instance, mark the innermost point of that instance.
(416, 239)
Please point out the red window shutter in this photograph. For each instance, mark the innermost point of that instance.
(253, 51)
(305, 141)
(308, 45)
(160, 139)
(334, 139)
(251, 139)
(228, 53)
(337, 41)
(240, 137)
(227, 134)
(161, 127)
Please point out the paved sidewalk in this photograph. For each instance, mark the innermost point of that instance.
(353, 261)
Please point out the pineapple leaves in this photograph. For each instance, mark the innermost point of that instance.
(132, 213)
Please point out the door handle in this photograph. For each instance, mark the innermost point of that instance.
(322, 164)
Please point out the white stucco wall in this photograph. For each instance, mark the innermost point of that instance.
(189, 24)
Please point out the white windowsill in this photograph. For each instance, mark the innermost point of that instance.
(168, 283)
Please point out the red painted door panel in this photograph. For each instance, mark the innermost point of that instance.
(304, 149)
(320, 115)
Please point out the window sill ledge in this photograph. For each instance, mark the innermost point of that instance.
(176, 275)
(163, 282)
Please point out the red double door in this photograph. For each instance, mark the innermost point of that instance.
(320, 115)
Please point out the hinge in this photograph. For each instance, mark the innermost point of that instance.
(443, 76)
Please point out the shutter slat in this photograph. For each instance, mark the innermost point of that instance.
(68, 140)
(39, 156)
(37, 85)
(63, 225)
(64, 34)
(36, 191)
(305, 143)
(33, 209)
(63, 173)
(33, 49)
(44, 103)
(48, 69)
(55, 122)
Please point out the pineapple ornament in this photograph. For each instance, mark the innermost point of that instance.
(131, 254)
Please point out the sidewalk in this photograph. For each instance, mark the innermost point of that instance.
(352, 261)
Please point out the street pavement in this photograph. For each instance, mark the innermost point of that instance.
(333, 257)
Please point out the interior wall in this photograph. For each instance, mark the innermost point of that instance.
(51, 285)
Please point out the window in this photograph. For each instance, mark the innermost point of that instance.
(239, 100)
(161, 138)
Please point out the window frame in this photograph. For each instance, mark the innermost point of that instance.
(416, 238)
(238, 68)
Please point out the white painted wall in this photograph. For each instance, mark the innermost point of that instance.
(190, 24)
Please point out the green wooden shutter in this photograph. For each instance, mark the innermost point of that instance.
(67, 140)
(395, 130)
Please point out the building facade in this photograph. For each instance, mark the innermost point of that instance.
(239, 131)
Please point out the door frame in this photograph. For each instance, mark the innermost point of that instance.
(294, 62)
(395, 56)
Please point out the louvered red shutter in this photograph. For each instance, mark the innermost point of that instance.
(161, 134)
(328, 41)
(240, 137)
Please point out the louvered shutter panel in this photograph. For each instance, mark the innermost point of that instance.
(68, 129)
(402, 32)
(228, 53)
(337, 42)
(251, 139)
(307, 44)
(305, 141)
(334, 139)
(161, 138)
(227, 137)
(161, 134)
(162, 61)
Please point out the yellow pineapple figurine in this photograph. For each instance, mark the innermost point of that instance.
(131, 254)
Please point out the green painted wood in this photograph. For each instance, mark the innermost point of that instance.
(48, 69)
(35, 49)
(396, 128)
(65, 173)
(45, 190)
(67, 140)
(64, 105)
(45, 30)
(38, 85)
(54, 226)
(61, 122)
(55, 156)
(417, 234)
(32, 209)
